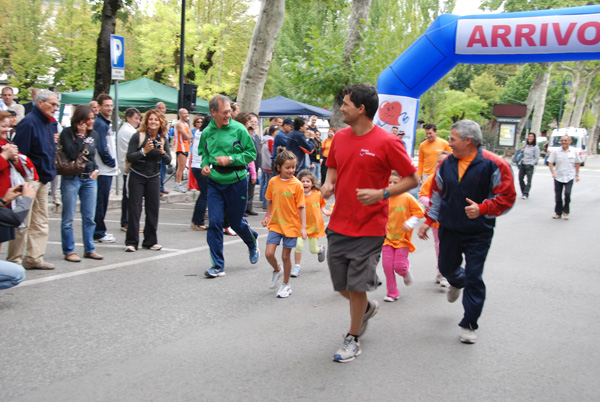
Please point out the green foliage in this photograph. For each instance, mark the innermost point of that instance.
(74, 45)
(310, 48)
(24, 42)
(529, 5)
(216, 43)
(455, 106)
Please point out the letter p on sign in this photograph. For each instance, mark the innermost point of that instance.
(117, 51)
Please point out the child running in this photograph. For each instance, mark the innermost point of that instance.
(405, 213)
(286, 218)
(424, 197)
(315, 226)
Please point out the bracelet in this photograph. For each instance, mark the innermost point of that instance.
(3, 202)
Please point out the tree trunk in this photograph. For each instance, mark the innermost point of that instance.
(531, 98)
(592, 144)
(540, 99)
(109, 22)
(260, 54)
(565, 120)
(359, 12)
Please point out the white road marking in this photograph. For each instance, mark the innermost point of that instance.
(159, 256)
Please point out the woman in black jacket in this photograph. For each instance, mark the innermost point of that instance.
(147, 148)
(80, 137)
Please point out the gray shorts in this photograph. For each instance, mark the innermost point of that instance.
(353, 261)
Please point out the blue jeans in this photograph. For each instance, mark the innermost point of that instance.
(86, 189)
(11, 274)
(264, 182)
(104, 184)
(475, 247)
(163, 173)
(232, 197)
(200, 208)
(316, 170)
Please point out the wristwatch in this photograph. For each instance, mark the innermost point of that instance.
(230, 159)
(386, 194)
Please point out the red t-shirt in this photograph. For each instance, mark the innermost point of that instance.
(364, 162)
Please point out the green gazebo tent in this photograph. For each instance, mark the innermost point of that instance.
(141, 93)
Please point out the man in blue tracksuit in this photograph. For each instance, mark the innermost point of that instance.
(299, 145)
(471, 188)
(36, 138)
(226, 149)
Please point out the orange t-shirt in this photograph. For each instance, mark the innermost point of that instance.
(315, 225)
(428, 154)
(325, 145)
(402, 207)
(287, 197)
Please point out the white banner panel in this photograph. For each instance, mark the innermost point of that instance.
(531, 35)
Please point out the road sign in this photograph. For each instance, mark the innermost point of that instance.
(117, 57)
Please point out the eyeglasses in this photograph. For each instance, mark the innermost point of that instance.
(53, 104)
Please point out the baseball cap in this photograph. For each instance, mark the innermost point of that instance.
(289, 121)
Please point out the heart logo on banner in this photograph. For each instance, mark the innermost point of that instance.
(389, 112)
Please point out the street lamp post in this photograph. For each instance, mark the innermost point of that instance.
(568, 84)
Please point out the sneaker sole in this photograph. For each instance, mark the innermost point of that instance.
(338, 358)
(209, 275)
(467, 341)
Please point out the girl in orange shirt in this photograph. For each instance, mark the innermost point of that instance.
(315, 226)
(425, 198)
(285, 217)
(405, 212)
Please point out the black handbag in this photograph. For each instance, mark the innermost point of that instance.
(68, 167)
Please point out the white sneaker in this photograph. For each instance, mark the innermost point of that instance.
(452, 294)
(408, 279)
(276, 278)
(229, 231)
(444, 282)
(296, 270)
(108, 238)
(467, 335)
(438, 277)
(390, 299)
(284, 291)
(179, 187)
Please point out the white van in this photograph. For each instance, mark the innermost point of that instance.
(579, 139)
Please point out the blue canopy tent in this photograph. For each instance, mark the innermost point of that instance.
(282, 106)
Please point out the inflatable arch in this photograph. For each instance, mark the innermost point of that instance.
(566, 34)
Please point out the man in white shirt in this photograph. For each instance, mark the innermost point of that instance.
(132, 121)
(8, 98)
(564, 166)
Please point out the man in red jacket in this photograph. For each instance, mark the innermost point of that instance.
(471, 188)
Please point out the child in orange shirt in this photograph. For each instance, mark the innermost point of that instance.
(424, 197)
(286, 218)
(315, 226)
(405, 213)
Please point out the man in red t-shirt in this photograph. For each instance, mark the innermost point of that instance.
(360, 161)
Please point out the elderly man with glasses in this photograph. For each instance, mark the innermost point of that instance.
(35, 138)
(564, 165)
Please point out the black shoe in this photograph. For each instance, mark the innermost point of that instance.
(252, 213)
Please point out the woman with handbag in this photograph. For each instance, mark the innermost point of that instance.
(76, 141)
(147, 149)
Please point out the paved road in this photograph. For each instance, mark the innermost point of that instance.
(147, 326)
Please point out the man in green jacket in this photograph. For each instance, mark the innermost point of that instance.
(226, 148)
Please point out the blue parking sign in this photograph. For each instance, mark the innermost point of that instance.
(117, 51)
